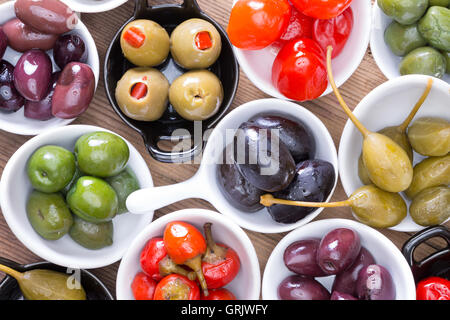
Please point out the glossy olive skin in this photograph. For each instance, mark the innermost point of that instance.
(42, 110)
(338, 250)
(313, 182)
(49, 214)
(6, 71)
(294, 134)
(446, 55)
(101, 154)
(300, 258)
(50, 168)
(431, 172)
(424, 60)
(3, 42)
(47, 16)
(69, 48)
(77, 175)
(404, 11)
(74, 91)
(375, 283)
(93, 236)
(345, 282)
(10, 98)
(302, 288)
(435, 27)
(123, 184)
(336, 295)
(402, 39)
(23, 38)
(272, 171)
(32, 74)
(430, 136)
(431, 206)
(236, 189)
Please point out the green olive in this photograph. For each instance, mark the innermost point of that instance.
(446, 55)
(124, 184)
(92, 236)
(404, 11)
(431, 206)
(430, 136)
(424, 60)
(441, 3)
(431, 172)
(435, 27)
(403, 39)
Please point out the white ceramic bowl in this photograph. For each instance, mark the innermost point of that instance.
(246, 285)
(90, 6)
(382, 249)
(257, 64)
(16, 122)
(388, 105)
(15, 188)
(204, 184)
(388, 62)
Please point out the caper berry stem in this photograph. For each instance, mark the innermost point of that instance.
(11, 272)
(347, 110)
(268, 200)
(416, 108)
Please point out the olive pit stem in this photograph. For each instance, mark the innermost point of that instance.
(268, 200)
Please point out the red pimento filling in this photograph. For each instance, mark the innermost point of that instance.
(139, 90)
(135, 37)
(203, 40)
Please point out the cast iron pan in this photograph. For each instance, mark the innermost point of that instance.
(226, 68)
(437, 264)
(9, 288)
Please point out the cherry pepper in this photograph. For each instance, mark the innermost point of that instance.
(433, 288)
(186, 245)
(157, 264)
(220, 264)
(176, 287)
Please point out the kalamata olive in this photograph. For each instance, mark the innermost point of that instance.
(23, 38)
(336, 295)
(69, 48)
(338, 250)
(6, 71)
(238, 191)
(262, 158)
(10, 99)
(302, 288)
(375, 283)
(32, 74)
(313, 183)
(300, 257)
(3, 43)
(74, 91)
(295, 135)
(42, 110)
(345, 282)
(46, 16)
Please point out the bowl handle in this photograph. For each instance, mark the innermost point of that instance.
(416, 240)
(172, 157)
(142, 5)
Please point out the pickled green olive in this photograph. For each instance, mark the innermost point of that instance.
(92, 236)
(424, 60)
(430, 136)
(124, 184)
(403, 39)
(431, 172)
(435, 27)
(441, 3)
(404, 11)
(431, 206)
(446, 55)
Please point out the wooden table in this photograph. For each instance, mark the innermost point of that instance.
(103, 26)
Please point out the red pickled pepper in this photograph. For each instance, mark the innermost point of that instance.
(176, 287)
(433, 288)
(143, 287)
(134, 37)
(300, 26)
(219, 294)
(322, 9)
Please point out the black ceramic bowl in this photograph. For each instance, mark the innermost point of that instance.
(9, 288)
(437, 264)
(226, 68)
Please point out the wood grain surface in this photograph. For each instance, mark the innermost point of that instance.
(103, 26)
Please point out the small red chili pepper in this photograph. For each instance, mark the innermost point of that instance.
(176, 287)
(156, 263)
(143, 287)
(134, 36)
(220, 264)
(203, 40)
(219, 294)
(139, 90)
(186, 245)
(433, 288)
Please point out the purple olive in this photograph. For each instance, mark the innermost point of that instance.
(32, 74)
(375, 283)
(6, 71)
(10, 99)
(42, 110)
(69, 48)
(74, 91)
(23, 38)
(302, 288)
(336, 295)
(300, 257)
(345, 282)
(338, 250)
(3, 43)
